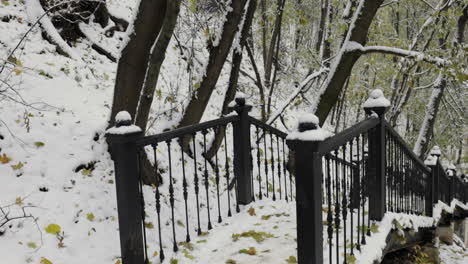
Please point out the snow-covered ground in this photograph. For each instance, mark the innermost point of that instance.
(453, 254)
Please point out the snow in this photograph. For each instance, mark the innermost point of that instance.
(376, 243)
(435, 151)
(431, 161)
(319, 134)
(123, 130)
(453, 254)
(308, 118)
(36, 13)
(123, 116)
(376, 99)
(240, 95)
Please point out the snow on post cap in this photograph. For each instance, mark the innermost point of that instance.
(435, 151)
(123, 124)
(240, 99)
(376, 99)
(431, 161)
(122, 116)
(240, 95)
(308, 129)
(451, 166)
(308, 118)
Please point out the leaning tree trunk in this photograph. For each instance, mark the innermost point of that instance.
(156, 59)
(345, 61)
(218, 54)
(234, 76)
(133, 63)
(427, 127)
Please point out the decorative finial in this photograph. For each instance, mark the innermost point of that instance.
(123, 118)
(376, 103)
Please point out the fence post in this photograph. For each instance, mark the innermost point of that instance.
(435, 155)
(242, 150)
(308, 168)
(377, 104)
(121, 140)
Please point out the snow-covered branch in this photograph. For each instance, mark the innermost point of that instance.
(419, 56)
(37, 13)
(295, 93)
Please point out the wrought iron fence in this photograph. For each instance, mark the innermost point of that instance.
(198, 189)
(341, 183)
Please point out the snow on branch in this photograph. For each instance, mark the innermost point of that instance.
(419, 56)
(36, 13)
(295, 93)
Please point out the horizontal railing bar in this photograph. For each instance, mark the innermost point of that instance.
(346, 135)
(407, 149)
(345, 162)
(187, 130)
(267, 127)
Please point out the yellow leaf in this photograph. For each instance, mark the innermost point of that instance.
(17, 71)
(19, 201)
(4, 159)
(90, 217)
(39, 144)
(17, 166)
(86, 172)
(32, 245)
(118, 261)
(45, 261)
(155, 253)
(252, 211)
(53, 229)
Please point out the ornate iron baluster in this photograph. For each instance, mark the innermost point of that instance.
(158, 204)
(279, 165)
(344, 210)
(284, 173)
(171, 195)
(217, 181)
(195, 179)
(226, 168)
(266, 161)
(329, 211)
(358, 150)
(337, 208)
(185, 192)
(260, 195)
(206, 182)
(272, 151)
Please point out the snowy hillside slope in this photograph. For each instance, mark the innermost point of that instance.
(54, 112)
(67, 106)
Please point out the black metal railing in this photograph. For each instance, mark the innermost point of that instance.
(360, 174)
(342, 183)
(198, 190)
(407, 178)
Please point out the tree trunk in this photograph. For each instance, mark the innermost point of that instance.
(217, 57)
(133, 63)
(233, 77)
(156, 60)
(345, 61)
(425, 133)
(269, 58)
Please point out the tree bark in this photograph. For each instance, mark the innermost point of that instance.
(133, 63)
(345, 61)
(233, 77)
(426, 131)
(156, 59)
(217, 57)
